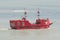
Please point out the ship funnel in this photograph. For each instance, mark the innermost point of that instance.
(38, 13)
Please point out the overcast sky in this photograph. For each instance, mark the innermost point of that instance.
(13, 4)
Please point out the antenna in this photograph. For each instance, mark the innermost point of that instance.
(38, 13)
(25, 13)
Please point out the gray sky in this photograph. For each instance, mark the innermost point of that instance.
(13, 4)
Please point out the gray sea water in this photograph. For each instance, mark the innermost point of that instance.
(39, 34)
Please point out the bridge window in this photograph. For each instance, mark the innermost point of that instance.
(12, 24)
(38, 22)
(23, 24)
(18, 23)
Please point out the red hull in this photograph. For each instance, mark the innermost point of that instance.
(25, 24)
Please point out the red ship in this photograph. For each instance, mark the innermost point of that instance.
(25, 24)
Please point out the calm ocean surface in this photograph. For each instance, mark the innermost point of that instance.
(42, 34)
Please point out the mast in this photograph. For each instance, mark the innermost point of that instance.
(25, 13)
(38, 13)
